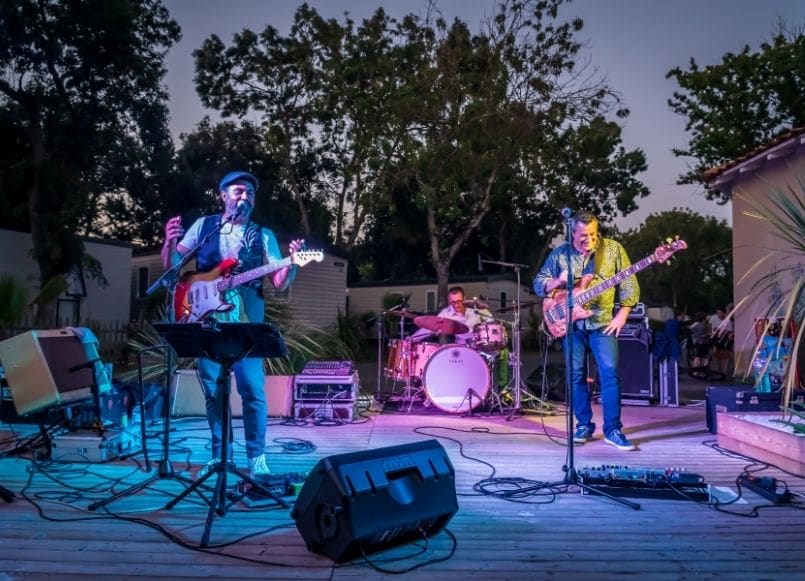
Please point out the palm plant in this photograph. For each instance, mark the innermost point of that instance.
(784, 216)
(13, 302)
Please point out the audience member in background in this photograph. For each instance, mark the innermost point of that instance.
(723, 336)
(700, 340)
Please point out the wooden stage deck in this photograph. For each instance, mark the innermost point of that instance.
(48, 531)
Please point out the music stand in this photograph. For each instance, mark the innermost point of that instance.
(226, 344)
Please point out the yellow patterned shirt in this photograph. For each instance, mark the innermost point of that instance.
(614, 261)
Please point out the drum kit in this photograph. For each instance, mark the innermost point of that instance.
(456, 378)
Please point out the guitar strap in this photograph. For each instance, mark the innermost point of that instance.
(251, 254)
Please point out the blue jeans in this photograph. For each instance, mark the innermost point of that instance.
(605, 350)
(249, 378)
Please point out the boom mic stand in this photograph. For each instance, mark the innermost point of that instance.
(571, 476)
(516, 357)
(165, 470)
(168, 280)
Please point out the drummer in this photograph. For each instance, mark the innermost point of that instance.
(456, 310)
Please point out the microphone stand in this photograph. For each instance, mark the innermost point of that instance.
(571, 476)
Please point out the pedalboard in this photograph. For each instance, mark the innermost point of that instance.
(644, 482)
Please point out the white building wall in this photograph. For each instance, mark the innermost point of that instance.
(102, 304)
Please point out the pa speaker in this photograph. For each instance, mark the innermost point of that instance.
(636, 367)
(362, 502)
(45, 369)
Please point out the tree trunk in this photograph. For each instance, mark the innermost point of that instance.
(36, 213)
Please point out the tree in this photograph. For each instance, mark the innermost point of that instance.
(82, 82)
(696, 279)
(489, 116)
(212, 150)
(466, 125)
(322, 94)
(739, 104)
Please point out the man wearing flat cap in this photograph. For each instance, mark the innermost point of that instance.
(252, 246)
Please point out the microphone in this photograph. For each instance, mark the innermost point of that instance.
(567, 212)
(242, 206)
(480, 264)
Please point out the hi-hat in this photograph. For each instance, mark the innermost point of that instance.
(404, 313)
(476, 304)
(441, 325)
(514, 306)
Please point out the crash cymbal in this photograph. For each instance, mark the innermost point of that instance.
(520, 305)
(405, 314)
(476, 304)
(441, 325)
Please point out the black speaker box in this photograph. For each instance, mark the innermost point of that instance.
(362, 502)
(636, 367)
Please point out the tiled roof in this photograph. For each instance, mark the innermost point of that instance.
(714, 172)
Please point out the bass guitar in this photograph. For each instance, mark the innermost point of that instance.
(201, 294)
(554, 307)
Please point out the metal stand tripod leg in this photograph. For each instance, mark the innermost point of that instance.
(218, 502)
(165, 468)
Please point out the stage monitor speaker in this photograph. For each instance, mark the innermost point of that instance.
(45, 369)
(362, 502)
(636, 367)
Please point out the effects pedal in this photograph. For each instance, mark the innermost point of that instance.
(281, 485)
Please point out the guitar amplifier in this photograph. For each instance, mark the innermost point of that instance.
(326, 387)
(638, 311)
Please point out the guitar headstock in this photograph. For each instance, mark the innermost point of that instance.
(303, 257)
(667, 250)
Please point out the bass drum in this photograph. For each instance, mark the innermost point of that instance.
(456, 379)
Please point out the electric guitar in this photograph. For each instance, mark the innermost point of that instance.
(554, 307)
(200, 294)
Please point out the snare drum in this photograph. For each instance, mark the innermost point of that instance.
(456, 379)
(398, 362)
(490, 336)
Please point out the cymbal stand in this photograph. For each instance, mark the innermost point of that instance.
(406, 364)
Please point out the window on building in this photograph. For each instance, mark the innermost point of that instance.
(430, 301)
(502, 299)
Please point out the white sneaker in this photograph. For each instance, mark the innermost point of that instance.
(206, 468)
(258, 466)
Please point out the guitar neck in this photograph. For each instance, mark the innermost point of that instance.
(591, 293)
(250, 275)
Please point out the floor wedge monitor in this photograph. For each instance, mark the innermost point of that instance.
(362, 502)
